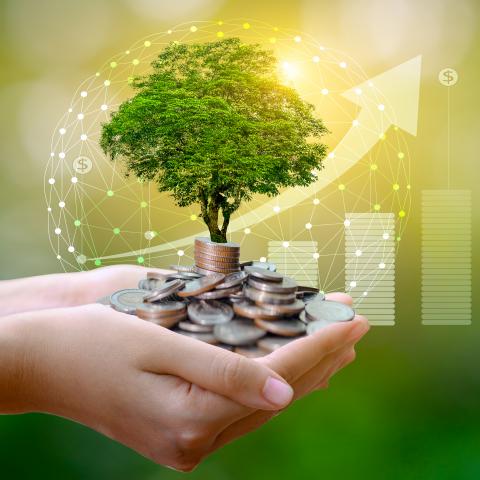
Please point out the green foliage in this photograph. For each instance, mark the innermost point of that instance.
(213, 125)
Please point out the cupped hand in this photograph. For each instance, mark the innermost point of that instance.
(171, 398)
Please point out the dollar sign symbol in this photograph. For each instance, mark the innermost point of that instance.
(448, 77)
(82, 165)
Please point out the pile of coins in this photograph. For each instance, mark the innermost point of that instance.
(251, 310)
(216, 257)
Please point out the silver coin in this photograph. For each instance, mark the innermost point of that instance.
(219, 293)
(203, 337)
(150, 283)
(195, 328)
(289, 309)
(184, 276)
(203, 271)
(284, 328)
(263, 265)
(209, 313)
(104, 301)
(201, 285)
(165, 290)
(233, 279)
(308, 297)
(329, 311)
(269, 298)
(246, 309)
(271, 343)
(263, 274)
(166, 322)
(238, 332)
(183, 268)
(164, 309)
(127, 300)
(303, 318)
(317, 325)
(286, 285)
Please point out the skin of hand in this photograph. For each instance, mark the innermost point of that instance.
(68, 289)
(173, 399)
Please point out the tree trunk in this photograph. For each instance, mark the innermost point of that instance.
(210, 217)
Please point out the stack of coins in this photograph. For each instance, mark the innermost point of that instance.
(252, 311)
(216, 257)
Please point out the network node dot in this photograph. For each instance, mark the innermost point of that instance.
(220, 34)
(308, 226)
(147, 43)
(246, 25)
(409, 187)
(58, 231)
(59, 257)
(353, 284)
(80, 116)
(116, 231)
(247, 231)
(272, 40)
(401, 213)
(62, 131)
(51, 181)
(382, 136)
(365, 294)
(385, 236)
(140, 260)
(83, 137)
(341, 187)
(343, 64)
(104, 107)
(83, 94)
(316, 255)
(381, 107)
(70, 110)
(401, 155)
(373, 166)
(113, 64)
(107, 83)
(110, 193)
(77, 223)
(381, 265)
(355, 123)
(143, 204)
(316, 201)
(193, 28)
(61, 154)
(347, 223)
(149, 235)
(52, 154)
(220, 22)
(71, 248)
(263, 259)
(97, 262)
(61, 204)
(276, 208)
(316, 59)
(193, 217)
(169, 32)
(358, 253)
(324, 91)
(331, 155)
(180, 253)
(376, 207)
(399, 238)
(81, 259)
(285, 244)
(49, 209)
(358, 91)
(297, 39)
(396, 186)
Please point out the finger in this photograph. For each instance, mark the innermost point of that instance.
(346, 360)
(241, 379)
(340, 297)
(296, 358)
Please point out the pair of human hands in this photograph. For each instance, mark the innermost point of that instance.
(171, 398)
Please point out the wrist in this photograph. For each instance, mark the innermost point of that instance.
(16, 379)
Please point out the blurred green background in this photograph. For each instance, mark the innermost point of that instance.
(409, 406)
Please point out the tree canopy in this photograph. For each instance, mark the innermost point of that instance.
(213, 124)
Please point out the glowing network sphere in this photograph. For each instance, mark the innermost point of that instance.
(95, 211)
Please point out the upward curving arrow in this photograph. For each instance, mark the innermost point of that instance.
(390, 98)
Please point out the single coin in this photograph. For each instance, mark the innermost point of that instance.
(184, 276)
(271, 343)
(288, 309)
(262, 274)
(306, 288)
(329, 311)
(308, 297)
(284, 328)
(158, 275)
(166, 322)
(303, 318)
(203, 271)
(250, 351)
(263, 265)
(127, 300)
(238, 332)
(194, 327)
(249, 310)
(150, 283)
(183, 268)
(232, 280)
(206, 242)
(201, 285)
(317, 325)
(203, 337)
(286, 285)
(209, 313)
(165, 290)
(262, 298)
(164, 309)
(219, 293)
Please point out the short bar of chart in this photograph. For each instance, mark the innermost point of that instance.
(297, 259)
(370, 265)
(446, 257)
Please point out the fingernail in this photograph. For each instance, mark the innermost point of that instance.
(277, 392)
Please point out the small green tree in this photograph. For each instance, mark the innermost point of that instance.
(213, 124)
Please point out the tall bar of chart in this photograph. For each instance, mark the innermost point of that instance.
(446, 257)
(297, 259)
(370, 265)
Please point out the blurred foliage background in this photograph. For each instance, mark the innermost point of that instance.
(409, 406)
